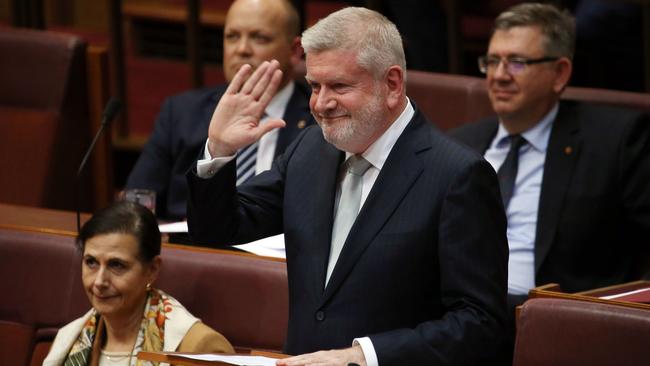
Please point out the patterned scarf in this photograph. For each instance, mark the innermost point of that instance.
(86, 348)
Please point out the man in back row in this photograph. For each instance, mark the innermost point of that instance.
(395, 235)
(255, 31)
(574, 176)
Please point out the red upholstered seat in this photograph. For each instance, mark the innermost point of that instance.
(44, 123)
(563, 332)
(16, 341)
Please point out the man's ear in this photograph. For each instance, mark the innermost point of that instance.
(563, 70)
(394, 81)
(296, 51)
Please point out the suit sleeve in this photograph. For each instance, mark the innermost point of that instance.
(220, 213)
(473, 255)
(154, 166)
(635, 189)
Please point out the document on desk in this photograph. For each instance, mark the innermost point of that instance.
(641, 295)
(273, 246)
(173, 227)
(231, 359)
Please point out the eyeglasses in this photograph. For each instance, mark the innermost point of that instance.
(513, 65)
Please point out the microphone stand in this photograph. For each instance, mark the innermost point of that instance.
(111, 110)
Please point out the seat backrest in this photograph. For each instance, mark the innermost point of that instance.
(448, 100)
(16, 342)
(453, 100)
(44, 118)
(616, 98)
(243, 297)
(563, 332)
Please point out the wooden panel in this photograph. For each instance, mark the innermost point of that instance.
(98, 94)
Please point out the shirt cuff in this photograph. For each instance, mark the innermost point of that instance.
(208, 166)
(368, 350)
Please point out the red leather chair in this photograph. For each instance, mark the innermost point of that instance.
(44, 118)
(448, 100)
(563, 332)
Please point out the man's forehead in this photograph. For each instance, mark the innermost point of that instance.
(254, 24)
(256, 15)
(516, 40)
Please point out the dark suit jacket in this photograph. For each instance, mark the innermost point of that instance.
(179, 137)
(593, 224)
(423, 271)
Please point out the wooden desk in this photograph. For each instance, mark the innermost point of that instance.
(25, 218)
(39, 219)
(553, 291)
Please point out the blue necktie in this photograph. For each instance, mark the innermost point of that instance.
(508, 171)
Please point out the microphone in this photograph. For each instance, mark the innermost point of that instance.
(111, 110)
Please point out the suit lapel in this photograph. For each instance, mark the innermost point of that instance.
(297, 117)
(394, 181)
(478, 135)
(561, 155)
(316, 210)
(486, 135)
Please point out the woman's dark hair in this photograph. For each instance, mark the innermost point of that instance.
(125, 218)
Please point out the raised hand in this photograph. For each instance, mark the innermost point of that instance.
(235, 122)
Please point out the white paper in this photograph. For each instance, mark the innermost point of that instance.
(173, 227)
(232, 359)
(273, 246)
(616, 296)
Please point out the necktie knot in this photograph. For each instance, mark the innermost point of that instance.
(516, 142)
(357, 165)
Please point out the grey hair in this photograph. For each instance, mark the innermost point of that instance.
(558, 27)
(375, 38)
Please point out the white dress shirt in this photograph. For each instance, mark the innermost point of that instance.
(376, 154)
(522, 210)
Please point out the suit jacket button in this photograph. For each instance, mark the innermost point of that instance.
(320, 315)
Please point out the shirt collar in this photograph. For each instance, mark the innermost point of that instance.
(378, 151)
(537, 136)
(278, 104)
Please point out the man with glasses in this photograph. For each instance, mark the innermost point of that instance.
(574, 177)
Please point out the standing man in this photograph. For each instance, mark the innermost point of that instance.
(255, 31)
(574, 177)
(395, 235)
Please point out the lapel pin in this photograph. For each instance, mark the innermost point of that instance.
(302, 123)
(568, 150)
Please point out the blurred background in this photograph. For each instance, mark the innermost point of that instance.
(157, 48)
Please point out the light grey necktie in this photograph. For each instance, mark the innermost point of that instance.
(348, 207)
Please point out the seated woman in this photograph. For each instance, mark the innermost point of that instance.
(121, 260)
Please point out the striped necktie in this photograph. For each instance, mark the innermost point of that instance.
(246, 159)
